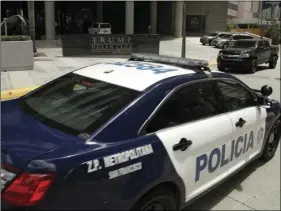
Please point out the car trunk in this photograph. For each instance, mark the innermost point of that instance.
(24, 138)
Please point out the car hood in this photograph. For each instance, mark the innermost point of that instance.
(24, 138)
(236, 50)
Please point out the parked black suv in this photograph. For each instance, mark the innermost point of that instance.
(247, 54)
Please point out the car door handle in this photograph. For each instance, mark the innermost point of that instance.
(182, 145)
(240, 122)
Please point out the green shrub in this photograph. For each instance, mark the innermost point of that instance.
(273, 32)
(15, 38)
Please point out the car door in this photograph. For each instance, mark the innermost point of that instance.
(248, 121)
(194, 133)
(267, 50)
(260, 52)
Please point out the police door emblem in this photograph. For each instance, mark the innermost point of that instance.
(260, 135)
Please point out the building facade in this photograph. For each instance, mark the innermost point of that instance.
(55, 18)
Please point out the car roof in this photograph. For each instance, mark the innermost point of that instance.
(127, 74)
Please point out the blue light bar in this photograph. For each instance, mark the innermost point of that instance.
(185, 62)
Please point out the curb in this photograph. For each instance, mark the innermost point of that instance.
(9, 94)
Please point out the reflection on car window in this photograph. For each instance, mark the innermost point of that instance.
(76, 104)
(244, 44)
(225, 36)
(234, 96)
(188, 104)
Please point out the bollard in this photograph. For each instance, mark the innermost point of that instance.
(5, 25)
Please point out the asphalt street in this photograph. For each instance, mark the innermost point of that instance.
(256, 187)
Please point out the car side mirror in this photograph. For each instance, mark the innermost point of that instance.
(266, 90)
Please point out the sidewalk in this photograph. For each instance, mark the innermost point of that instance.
(50, 63)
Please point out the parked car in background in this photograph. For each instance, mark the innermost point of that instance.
(101, 28)
(207, 39)
(248, 54)
(226, 42)
(223, 35)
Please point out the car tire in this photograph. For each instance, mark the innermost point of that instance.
(225, 46)
(273, 62)
(220, 68)
(210, 43)
(203, 43)
(160, 198)
(253, 67)
(272, 141)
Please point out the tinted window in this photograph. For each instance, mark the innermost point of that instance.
(266, 43)
(234, 96)
(260, 43)
(225, 36)
(188, 104)
(76, 104)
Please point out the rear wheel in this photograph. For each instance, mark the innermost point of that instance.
(272, 142)
(210, 43)
(273, 62)
(158, 199)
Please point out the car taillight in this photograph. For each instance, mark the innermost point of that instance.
(27, 189)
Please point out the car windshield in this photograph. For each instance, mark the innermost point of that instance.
(76, 104)
(244, 44)
(225, 36)
(95, 25)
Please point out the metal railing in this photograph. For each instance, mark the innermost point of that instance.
(5, 25)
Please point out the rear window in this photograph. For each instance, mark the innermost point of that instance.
(104, 25)
(76, 104)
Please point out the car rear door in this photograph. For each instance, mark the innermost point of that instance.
(248, 121)
(195, 135)
(267, 50)
(260, 52)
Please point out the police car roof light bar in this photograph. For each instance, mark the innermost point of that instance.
(183, 62)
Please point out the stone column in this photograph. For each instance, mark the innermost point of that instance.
(129, 17)
(50, 20)
(153, 16)
(178, 18)
(99, 11)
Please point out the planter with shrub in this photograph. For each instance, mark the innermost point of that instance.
(16, 53)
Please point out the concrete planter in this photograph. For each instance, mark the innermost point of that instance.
(16, 55)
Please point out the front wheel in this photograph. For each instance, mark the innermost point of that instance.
(159, 199)
(273, 62)
(253, 67)
(272, 142)
(225, 46)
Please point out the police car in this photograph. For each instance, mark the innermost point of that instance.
(150, 133)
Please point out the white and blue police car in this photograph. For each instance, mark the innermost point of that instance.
(150, 133)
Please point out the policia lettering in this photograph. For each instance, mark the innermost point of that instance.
(217, 158)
